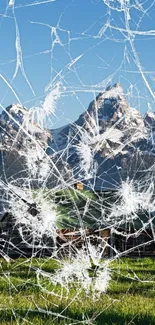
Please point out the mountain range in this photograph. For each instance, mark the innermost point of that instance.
(109, 143)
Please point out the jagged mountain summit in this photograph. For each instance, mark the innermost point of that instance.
(108, 123)
(108, 143)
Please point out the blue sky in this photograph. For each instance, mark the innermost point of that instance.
(102, 55)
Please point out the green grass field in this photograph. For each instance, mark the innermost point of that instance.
(130, 298)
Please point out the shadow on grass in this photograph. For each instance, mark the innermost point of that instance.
(134, 292)
(151, 271)
(142, 265)
(134, 288)
(127, 279)
(70, 317)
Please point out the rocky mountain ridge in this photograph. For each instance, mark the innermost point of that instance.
(109, 142)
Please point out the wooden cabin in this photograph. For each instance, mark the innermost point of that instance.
(15, 245)
(70, 240)
(79, 186)
(134, 238)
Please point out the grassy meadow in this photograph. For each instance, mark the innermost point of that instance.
(130, 298)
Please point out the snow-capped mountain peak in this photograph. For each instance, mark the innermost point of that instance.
(107, 135)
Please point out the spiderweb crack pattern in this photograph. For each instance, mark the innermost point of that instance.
(109, 149)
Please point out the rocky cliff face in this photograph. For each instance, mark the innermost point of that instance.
(108, 143)
(18, 130)
(24, 146)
